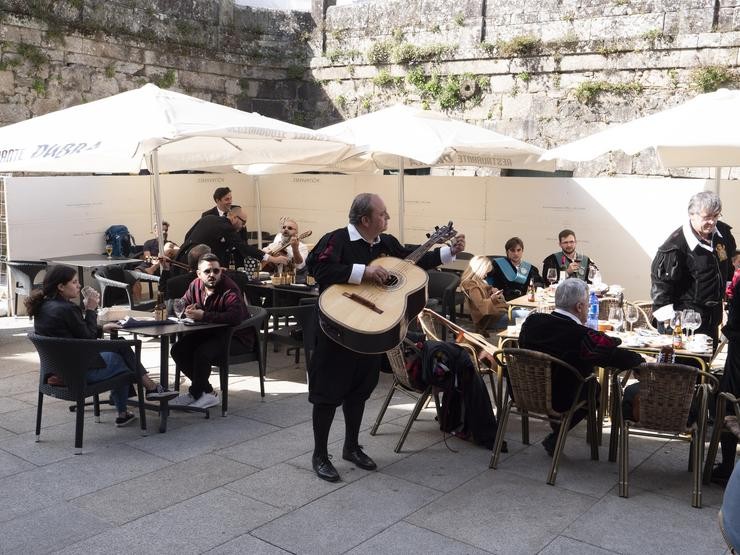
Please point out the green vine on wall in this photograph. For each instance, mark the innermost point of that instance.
(588, 92)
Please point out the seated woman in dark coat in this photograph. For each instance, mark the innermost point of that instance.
(56, 314)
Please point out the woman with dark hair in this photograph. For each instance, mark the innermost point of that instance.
(55, 313)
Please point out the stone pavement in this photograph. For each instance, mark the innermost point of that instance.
(244, 484)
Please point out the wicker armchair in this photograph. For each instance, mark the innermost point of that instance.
(647, 308)
(722, 422)
(529, 375)
(605, 303)
(70, 359)
(442, 287)
(435, 327)
(644, 314)
(667, 392)
(402, 383)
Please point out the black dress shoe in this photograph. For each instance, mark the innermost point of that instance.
(324, 469)
(359, 458)
(549, 443)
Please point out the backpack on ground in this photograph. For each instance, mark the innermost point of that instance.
(120, 239)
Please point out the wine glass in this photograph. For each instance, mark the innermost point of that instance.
(615, 317)
(696, 320)
(631, 315)
(688, 321)
(592, 274)
(552, 275)
(179, 307)
(109, 250)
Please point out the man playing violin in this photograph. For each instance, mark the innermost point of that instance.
(296, 250)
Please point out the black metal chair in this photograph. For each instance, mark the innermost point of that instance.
(70, 359)
(442, 287)
(299, 331)
(24, 275)
(255, 321)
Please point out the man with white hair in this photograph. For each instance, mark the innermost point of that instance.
(692, 267)
(563, 334)
(298, 252)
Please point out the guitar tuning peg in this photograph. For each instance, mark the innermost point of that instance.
(428, 235)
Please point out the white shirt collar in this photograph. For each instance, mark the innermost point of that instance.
(354, 235)
(569, 315)
(692, 241)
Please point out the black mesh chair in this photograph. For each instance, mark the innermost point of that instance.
(23, 275)
(70, 359)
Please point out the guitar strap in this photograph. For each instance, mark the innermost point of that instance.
(510, 273)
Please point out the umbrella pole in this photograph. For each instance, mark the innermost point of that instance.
(717, 179)
(154, 169)
(258, 194)
(401, 199)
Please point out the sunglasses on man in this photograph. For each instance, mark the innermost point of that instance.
(209, 271)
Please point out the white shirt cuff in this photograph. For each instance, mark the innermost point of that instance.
(266, 257)
(358, 270)
(445, 254)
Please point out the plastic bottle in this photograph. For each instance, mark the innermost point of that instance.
(593, 312)
(667, 355)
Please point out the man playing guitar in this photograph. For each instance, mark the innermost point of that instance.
(338, 375)
(297, 251)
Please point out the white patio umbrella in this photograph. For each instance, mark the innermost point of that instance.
(403, 137)
(158, 130)
(703, 132)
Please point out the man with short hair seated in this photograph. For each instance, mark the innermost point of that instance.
(563, 335)
(212, 298)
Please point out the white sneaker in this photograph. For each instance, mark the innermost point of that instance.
(182, 400)
(205, 401)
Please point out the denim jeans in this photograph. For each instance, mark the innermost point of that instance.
(114, 365)
(518, 312)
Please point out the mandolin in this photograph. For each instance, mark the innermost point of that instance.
(280, 247)
(372, 318)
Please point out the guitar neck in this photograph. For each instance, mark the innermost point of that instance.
(465, 335)
(421, 250)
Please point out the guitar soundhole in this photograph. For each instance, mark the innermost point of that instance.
(394, 281)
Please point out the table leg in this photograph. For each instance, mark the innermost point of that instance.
(164, 370)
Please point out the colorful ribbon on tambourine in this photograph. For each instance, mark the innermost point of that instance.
(730, 291)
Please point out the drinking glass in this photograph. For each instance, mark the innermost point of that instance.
(552, 275)
(631, 315)
(109, 250)
(179, 307)
(696, 321)
(591, 273)
(615, 317)
(88, 292)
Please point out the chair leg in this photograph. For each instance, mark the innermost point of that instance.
(79, 424)
(38, 416)
(384, 407)
(414, 414)
(525, 427)
(500, 433)
(142, 409)
(559, 446)
(719, 418)
(223, 373)
(176, 385)
(96, 407)
(594, 425)
(624, 460)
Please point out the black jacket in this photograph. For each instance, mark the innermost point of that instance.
(220, 235)
(692, 278)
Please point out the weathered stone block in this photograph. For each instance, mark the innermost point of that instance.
(7, 82)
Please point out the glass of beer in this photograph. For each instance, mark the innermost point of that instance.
(109, 250)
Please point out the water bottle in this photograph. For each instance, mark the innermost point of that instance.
(593, 312)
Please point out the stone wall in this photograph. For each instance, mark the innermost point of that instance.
(58, 53)
(545, 71)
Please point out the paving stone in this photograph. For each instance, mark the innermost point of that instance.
(246, 544)
(403, 538)
(193, 526)
(283, 412)
(49, 529)
(284, 486)
(202, 436)
(654, 524)
(160, 489)
(10, 464)
(348, 516)
(496, 511)
(568, 546)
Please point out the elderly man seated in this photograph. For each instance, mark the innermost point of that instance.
(563, 335)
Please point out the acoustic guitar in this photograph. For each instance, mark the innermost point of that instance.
(371, 318)
(280, 247)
